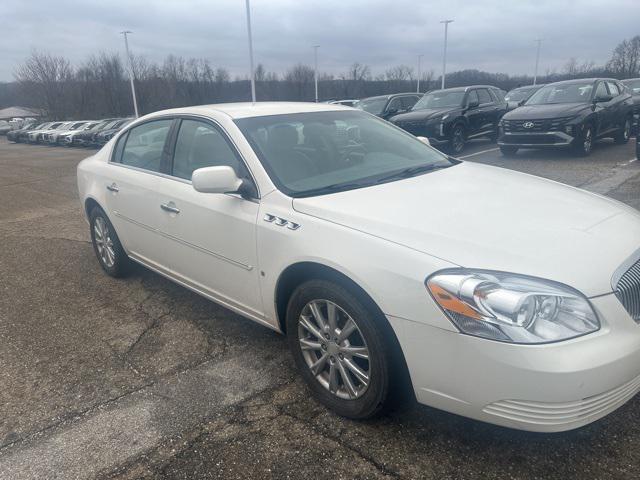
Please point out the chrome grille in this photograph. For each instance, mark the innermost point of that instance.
(628, 291)
(549, 125)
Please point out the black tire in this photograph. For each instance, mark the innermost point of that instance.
(376, 397)
(121, 264)
(583, 144)
(622, 136)
(457, 141)
(508, 150)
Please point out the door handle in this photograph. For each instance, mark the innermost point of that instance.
(169, 207)
(113, 187)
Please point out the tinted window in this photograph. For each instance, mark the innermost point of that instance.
(472, 97)
(409, 102)
(613, 89)
(563, 93)
(601, 91)
(484, 96)
(144, 145)
(202, 145)
(395, 104)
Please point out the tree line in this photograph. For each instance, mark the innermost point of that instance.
(99, 87)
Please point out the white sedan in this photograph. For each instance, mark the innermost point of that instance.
(495, 295)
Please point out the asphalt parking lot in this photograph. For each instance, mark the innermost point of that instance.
(140, 378)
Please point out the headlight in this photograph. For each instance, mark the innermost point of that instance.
(438, 118)
(511, 308)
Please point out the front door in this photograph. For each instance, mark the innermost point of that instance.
(212, 236)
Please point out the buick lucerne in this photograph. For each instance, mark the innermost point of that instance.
(492, 294)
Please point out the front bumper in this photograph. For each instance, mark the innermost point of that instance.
(536, 139)
(544, 388)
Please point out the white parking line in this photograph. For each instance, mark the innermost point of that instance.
(628, 162)
(479, 153)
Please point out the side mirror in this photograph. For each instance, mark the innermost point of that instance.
(221, 179)
(522, 102)
(473, 104)
(424, 140)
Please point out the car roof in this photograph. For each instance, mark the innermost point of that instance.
(391, 95)
(258, 109)
(527, 87)
(582, 80)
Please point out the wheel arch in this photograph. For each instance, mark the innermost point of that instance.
(89, 204)
(299, 272)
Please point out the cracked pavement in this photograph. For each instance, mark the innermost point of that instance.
(141, 378)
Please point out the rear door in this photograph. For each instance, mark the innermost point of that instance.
(617, 106)
(488, 112)
(139, 160)
(474, 114)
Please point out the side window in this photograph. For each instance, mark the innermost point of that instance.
(395, 104)
(613, 89)
(601, 91)
(408, 102)
(472, 96)
(144, 145)
(483, 96)
(202, 145)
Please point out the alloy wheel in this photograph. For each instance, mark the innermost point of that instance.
(104, 242)
(587, 141)
(457, 140)
(334, 349)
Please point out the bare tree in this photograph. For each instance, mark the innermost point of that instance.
(399, 73)
(625, 60)
(48, 77)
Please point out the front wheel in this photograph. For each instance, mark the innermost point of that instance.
(339, 348)
(583, 144)
(457, 140)
(106, 245)
(622, 136)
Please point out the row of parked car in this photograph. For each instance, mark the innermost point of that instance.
(572, 113)
(83, 133)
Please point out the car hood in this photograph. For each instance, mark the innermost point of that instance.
(542, 112)
(422, 114)
(485, 217)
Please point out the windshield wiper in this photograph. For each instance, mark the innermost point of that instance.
(335, 187)
(412, 172)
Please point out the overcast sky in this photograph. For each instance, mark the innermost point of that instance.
(491, 35)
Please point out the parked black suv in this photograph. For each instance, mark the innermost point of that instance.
(573, 113)
(633, 84)
(386, 106)
(451, 116)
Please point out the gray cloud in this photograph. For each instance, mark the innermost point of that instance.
(490, 35)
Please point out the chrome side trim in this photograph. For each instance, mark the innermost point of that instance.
(184, 242)
(281, 222)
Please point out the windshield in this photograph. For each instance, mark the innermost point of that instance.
(373, 105)
(321, 152)
(440, 99)
(562, 93)
(518, 94)
(634, 85)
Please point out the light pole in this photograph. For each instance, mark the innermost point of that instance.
(253, 73)
(315, 72)
(444, 57)
(419, 73)
(535, 74)
(130, 62)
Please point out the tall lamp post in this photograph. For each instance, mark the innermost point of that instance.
(130, 63)
(419, 73)
(253, 72)
(535, 74)
(315, 72)
(444, 57)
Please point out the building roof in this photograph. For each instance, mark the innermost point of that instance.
(12, 112)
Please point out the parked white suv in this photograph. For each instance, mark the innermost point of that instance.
(499, 296)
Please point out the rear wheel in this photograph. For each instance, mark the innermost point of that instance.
(622, 136)
(339, 348)
(457, 139)
(508, 150)
(583, 144)
(106, 245)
